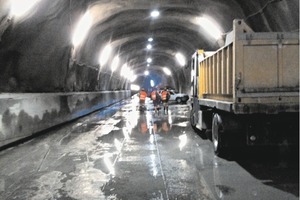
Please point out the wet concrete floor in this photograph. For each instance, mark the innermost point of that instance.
(120, 153)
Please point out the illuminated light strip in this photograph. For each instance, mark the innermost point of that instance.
(21, 7)
(82, 29)
(210, 27)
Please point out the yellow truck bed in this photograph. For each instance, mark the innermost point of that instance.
(252, 73)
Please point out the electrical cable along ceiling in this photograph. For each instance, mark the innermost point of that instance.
(94, 45)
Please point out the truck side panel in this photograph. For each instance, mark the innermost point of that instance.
(290, 74)
(216, 76)
(255, 73)
(260, 67)
(269, 65)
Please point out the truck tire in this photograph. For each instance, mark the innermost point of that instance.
(218, 135)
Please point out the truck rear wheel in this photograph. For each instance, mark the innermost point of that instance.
(218, 135)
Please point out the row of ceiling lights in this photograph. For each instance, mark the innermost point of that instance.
(19, 8)
(180, 58)
(86, 22)
(82, 28)
(153, 14)
(81, 31)
(206, 23)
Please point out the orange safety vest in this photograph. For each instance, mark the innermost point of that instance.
(153, 95)
(143, 95)
(164, 95)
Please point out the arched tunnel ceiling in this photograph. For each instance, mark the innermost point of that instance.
(126, 25)
(174, 30)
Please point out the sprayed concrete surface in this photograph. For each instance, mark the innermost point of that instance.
(121, 153)
(25, 114)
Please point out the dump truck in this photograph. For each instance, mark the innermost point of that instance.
(247, 92)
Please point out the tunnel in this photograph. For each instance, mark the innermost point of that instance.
(61, 60)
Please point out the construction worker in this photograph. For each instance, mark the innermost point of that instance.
(155, 99)
(142, 96)
(165, 95)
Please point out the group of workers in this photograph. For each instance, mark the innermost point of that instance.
(156, 98)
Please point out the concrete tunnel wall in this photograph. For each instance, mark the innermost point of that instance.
(40, 84)
(23, 115)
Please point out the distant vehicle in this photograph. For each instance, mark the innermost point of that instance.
(178, 97)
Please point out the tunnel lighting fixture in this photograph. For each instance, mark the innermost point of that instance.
(146, 73)
(152, 83)
(149, 60)
(129, 74)
(154, 13)
(150, 39)
(105, 54)
(21, 7)
(115, 63)
(124, 69)
(126, 72)
(149, 46)
(134, 87)
(133, 78)
(210, 27)
(180, 58)
(167, 71)
(148, 65)
(82, 29)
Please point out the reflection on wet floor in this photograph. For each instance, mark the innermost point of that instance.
(121, 153)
